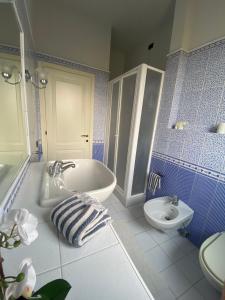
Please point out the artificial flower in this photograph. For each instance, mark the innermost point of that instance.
(25, 222)
(25, 287)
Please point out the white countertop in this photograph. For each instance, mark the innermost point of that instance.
(100, 270)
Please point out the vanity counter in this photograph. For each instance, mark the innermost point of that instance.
(100, 270)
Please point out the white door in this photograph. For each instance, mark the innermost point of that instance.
(67, 102)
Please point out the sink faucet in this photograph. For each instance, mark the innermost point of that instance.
(59, 167)
(174, 200)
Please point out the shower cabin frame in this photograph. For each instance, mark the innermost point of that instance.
(141, 72)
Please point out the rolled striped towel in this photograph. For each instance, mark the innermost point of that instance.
(154, 182)
(79, 218)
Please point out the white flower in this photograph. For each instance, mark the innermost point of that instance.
(26, 286)
(25, 222)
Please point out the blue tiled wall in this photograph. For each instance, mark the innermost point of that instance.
(192, 161)
(204, 194)
(98, 151)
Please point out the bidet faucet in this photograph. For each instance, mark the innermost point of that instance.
(59, 167)
(174, 200)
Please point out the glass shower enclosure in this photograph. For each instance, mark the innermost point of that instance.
(134, 100)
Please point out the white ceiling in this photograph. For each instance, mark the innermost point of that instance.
(132, 21)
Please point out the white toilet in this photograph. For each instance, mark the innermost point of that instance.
(212, 259)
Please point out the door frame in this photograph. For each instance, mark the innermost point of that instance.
(43, 119)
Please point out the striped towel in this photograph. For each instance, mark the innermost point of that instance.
(154, 182)
(79, 218)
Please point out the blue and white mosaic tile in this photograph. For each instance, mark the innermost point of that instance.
(98, 151)
(197, 60)
(192, 147)
(188, 107)
(221, 112)
(213, 152)
(209, 107)
(176, 143)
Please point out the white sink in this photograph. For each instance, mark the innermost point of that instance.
(163, 215)
(89, 176)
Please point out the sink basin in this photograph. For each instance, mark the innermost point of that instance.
(163, 215)
(89, 176)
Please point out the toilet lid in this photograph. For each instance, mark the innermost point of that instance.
(214, 256)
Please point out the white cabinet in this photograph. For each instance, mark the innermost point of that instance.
(134, 99)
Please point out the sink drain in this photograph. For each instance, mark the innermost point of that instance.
(168, 218)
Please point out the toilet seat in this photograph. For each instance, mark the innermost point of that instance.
(212, 259)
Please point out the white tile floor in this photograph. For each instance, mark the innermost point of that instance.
(167, 262)
(101, 269)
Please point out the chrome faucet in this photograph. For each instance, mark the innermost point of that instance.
(174, 200)
(58, 167)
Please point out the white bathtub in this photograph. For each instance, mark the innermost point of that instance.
(89, 176)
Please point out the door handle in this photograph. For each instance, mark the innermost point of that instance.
(84, 135)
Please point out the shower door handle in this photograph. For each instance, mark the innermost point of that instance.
(84, 135)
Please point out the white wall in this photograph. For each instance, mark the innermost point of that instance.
(60, 31)
(197, 22)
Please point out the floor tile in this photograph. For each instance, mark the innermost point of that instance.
(123, 215)
(172, 250)
(207, 290)
(45, 278)
(104, 275)
(172, 233)
(183, 244)
(102, 240)
(159, 236)
(194, 254)
(165, 294)
(191, 294)
(44, 252)
(137, 226)
(189, 268)
(157, 259)
(145, 241)
(136, 211)
(175, 280)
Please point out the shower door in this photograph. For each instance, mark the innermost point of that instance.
(127, 101)
(122, 100)
(135, 98)
(146, 130)
(115, 93)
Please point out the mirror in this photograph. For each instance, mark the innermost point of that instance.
(13, 145)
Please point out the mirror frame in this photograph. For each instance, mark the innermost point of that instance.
(16, 182)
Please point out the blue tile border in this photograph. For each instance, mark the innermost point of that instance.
(66, 62)
(198, 169)
(9, 49)
(220, 42)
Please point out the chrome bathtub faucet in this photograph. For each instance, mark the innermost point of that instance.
(58, 167)
(174, 200)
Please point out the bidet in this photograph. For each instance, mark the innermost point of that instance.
(162, 214)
